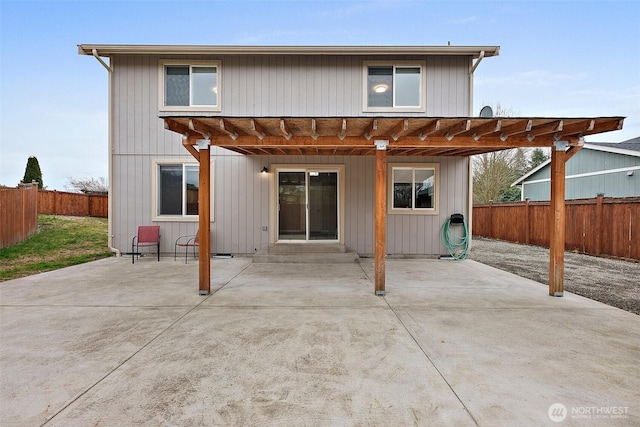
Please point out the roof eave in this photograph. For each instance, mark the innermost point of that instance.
(121, 49)
(520, 180)
(609, 149)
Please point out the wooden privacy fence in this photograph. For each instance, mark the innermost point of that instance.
(76, 204)
(18, 213)
(600, 226)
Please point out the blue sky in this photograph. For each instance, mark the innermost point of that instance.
(557, 59)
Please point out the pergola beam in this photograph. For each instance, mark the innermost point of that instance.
(406, 142)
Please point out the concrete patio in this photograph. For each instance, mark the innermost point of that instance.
(452, 343)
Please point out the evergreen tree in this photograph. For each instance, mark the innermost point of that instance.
(538, 156)
(32, 172)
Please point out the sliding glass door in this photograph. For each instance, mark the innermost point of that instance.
(307, 205)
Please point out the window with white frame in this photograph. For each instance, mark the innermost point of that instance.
(194, 85)
(413, 188)
(177, 193)
(394, 87)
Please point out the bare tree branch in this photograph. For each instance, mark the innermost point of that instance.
(88, 185)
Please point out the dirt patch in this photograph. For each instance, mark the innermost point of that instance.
(613, 282)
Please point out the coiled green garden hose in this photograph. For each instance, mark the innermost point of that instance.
(457, 246)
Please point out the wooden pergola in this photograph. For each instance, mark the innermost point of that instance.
(382, 137)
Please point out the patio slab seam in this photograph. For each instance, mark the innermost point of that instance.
(431, 362)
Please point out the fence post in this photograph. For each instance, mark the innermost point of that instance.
(491, 219)
(527, 225)
(23, 199)
(630, 245)
(599, 228)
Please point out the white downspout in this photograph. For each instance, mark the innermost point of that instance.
(104, 64)
(474, 65)
(470, 165)
(110, 167)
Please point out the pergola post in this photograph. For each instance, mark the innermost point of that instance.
(204, 213)
(557, 216)
(380, 217)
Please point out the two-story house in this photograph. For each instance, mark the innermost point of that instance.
(366, 147)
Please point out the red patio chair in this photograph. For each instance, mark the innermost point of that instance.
(186, 242)
(148, 235)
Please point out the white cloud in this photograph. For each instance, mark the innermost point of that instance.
(465, 20)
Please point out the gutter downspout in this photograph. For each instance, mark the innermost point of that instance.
(115, 251)
(94, 52)
(473, 69)
(474, 65)
(469, 159)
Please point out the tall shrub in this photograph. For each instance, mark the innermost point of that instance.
(32, 172)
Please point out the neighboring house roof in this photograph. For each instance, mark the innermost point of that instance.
(117, 49)
(630, 147)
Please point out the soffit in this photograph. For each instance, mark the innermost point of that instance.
(410, 136)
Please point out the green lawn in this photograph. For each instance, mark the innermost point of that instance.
(60, 241)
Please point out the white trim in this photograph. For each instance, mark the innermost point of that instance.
(124, 49)
(402, 64)
(189, 63)
(615, 150)
(582, 175)
(585, 147)
(414, 211)
(531, 172)
(305, 167)
(155, 163)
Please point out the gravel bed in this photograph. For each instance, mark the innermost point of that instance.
(611, 281)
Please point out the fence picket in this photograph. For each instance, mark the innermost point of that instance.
(599, 226)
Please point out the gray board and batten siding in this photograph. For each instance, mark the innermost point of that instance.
(275, 86)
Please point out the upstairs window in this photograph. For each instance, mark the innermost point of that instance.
(414, 188)
(394, 87)
(190, 86)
